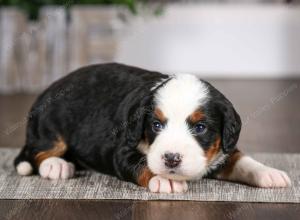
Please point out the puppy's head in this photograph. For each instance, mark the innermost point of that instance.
(190, 130)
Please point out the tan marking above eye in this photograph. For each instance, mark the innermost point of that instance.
(160, 115)
(196, 116)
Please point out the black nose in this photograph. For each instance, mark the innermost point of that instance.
(172, 160)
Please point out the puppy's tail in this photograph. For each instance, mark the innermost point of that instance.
(22, 163)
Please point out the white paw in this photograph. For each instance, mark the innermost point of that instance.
(56, 168)
(24, 168)
(159, 184)
(268, 177)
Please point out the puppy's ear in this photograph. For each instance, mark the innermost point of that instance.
(231, 125)
(131, 116)
(132, 113)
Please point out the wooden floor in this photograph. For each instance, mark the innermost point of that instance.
(270, 111)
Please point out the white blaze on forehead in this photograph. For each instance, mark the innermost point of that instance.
(181, 96)
(177, 100)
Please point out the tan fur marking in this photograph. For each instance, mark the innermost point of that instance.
(196, 116)
(58, 150)
(144, 177)
(160, 115)
(143, 146)
(213, 150)
(232, 159)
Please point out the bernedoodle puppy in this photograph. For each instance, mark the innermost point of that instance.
(149, 128)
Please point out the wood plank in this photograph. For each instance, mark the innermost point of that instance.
(44, 50)
(107, 209)
(53, 33)
(97, 28)
(12, 31)
(64, 209)
(32, 59)
(213, 210)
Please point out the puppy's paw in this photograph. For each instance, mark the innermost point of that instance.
(159, 184)
(267, 177)
(56, 168)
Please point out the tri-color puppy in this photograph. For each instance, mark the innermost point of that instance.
(152, 129)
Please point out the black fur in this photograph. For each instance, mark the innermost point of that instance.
(99, 111)
(103, 111)
(228, 118)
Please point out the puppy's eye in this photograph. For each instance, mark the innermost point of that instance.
(200, 128)
(157, 126)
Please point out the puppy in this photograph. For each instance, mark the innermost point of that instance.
(152, 129)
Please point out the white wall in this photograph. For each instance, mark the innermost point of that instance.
(217, 41)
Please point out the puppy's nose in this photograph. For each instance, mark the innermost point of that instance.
(172, 160)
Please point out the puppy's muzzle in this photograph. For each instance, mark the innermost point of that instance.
(172, 160)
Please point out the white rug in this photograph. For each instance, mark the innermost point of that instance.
(91, 185)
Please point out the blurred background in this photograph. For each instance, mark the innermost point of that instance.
(248, 49)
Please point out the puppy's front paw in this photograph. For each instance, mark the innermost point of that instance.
(268, 177)
(159, 184)
(56, 168)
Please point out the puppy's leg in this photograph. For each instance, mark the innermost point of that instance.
(56, 168)
(160, 184)
(51, 163)
(45, 158)
(130, 165)
(244, 169)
